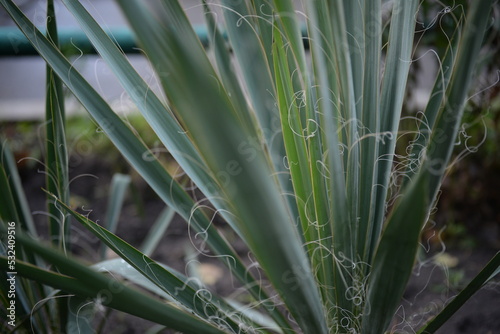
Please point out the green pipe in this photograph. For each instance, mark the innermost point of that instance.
(73, 40)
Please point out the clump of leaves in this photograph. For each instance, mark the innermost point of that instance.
(296, 154)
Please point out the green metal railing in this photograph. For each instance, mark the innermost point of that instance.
(73, 40)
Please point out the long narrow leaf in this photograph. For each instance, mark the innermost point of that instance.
(78, 279)
(56, 161)
(370, 120)
(14, 206)
(119, 183)
(393, 261)
(227, 72)
(157, 274)
(434, 104)
(250, 53)
(337, 234)
(157, 231)
(391, 102)
(486, 274)
(442, 138)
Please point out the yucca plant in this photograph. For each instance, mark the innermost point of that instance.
(296, 153)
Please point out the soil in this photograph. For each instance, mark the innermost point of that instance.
(430, 286)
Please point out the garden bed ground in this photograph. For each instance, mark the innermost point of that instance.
(428, 290)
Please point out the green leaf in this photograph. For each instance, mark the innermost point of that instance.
(227, 73)
(121, 267)
(394, 258)
(252, 57)
(119, 184)
(370, 120)
(434, 104)
(359, 14)
(81, 313)
(8, 209)
(486, 274)
(157, 231)
(295, 144)
(15, 206)
(335, 233)
(259, 319)
(207, 307)
(391, 102)
(444, 133)
(56, 161)
(84, 282)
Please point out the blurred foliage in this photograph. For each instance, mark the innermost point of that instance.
(469, 200)
(85, 139)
